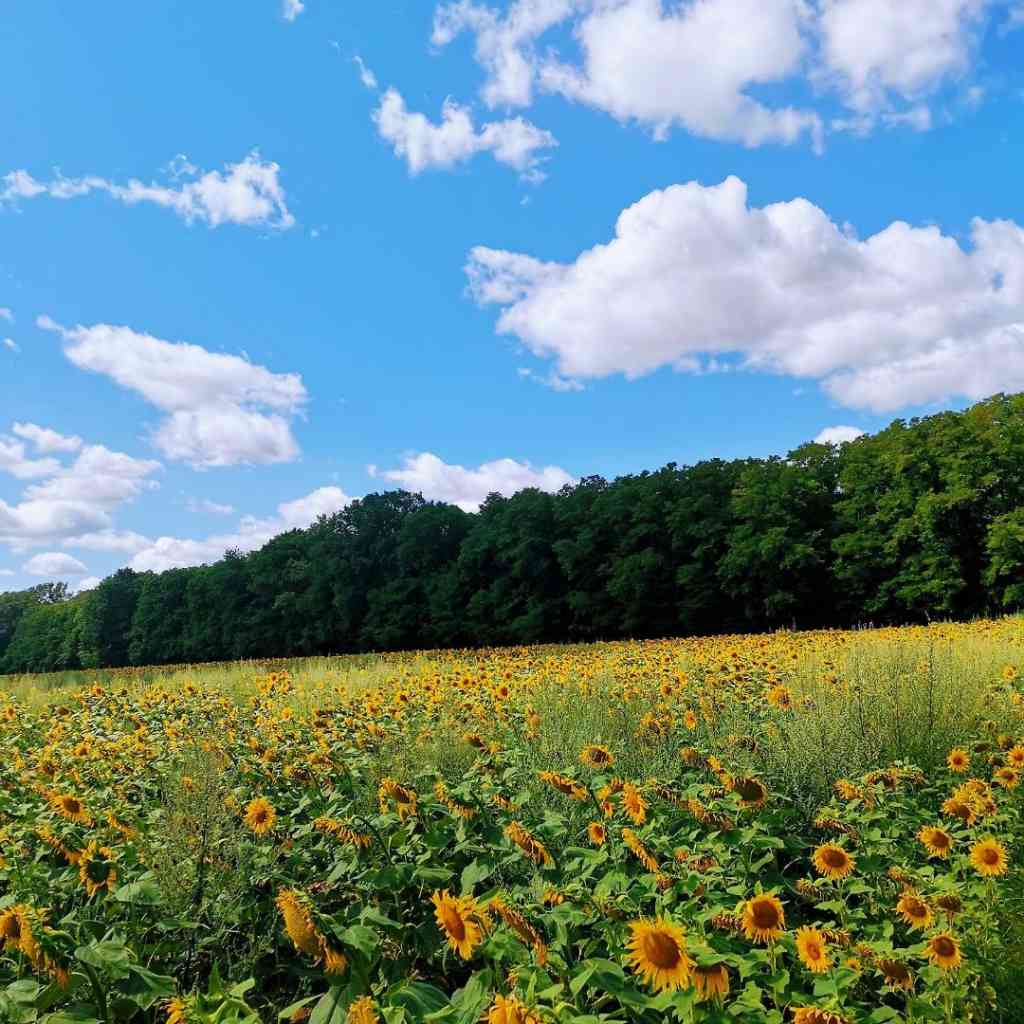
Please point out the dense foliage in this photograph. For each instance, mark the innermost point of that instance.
(622, 833)
(923, 520)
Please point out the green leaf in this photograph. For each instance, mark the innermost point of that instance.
(144, 892)
(418, 998)
(360, 937)
(434, 876)
(331, 1009)
(473, 874)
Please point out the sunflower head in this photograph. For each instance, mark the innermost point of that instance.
(595, 756)
(832, 861)
(959, 760)
(763, 918)
(812, 950)
(260, 815)
(597, 833)
(937, 841)
(897, 974)
(943, 951)
(988, 856)
(509, 1010)
(657, 952)
(458, 918)
(914, 911)
(711, 982)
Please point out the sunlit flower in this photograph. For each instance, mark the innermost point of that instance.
(764, 920)
(457, 919)
(812, 950)
(260, 815)
(833, 862)
(989, 858)
(657, 952)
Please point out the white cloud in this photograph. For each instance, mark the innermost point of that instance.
(838, 435)
(89, 583)
(11, 344)
(291, 9)
(208, 507)
(696, 64)
(424, 145)
(504, 45)
(691, 67)
(426, 474)
(122, 541)
(53, 564)
(45, 440)
(1015, 19)
(6, 572)
(878, 51)
(14, 459)
(221, 409)
(252, 532)
(694, 279)
(247, 193)
(366, 76)
(71, 502)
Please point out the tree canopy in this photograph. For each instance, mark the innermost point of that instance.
(924, 519)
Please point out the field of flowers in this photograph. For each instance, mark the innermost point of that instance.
(812, 827)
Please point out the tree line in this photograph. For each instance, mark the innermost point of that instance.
(922, 520)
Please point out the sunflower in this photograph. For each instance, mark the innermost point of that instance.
(16, 930)
(405, 798)
(950, 904)
(690, 719)
(179, 1011)
(780, 697)
(96, 868)
(711, 982)
(833, 862)
(989, 858)
(456, 917)
(532, 848)
(298, 921)
(957, 808)
(1007, 777)
(897, 974)
(959, 760)
(937, 841)
(509, 1010)
(751, 791)
(260, 815)
(595, 756)
(71, 807)
(1015, 757)
(634, 803)
(763, 920)
(657, 952)
(637, 848)
(597, 833)
(815, 1015)
(944, 951)
(362, 1011)
(812, 950)
(914, 911)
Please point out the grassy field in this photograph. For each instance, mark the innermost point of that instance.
(820, 827)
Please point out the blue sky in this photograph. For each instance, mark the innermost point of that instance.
(245, 276)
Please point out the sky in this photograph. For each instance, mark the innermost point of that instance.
(260, 257)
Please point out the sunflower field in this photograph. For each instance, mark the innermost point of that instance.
(822, 827)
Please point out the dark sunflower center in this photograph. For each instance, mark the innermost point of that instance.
(990, 856)
(834, 858)
(453, 923)
(661, 950)
(943, 946)
(765, 915)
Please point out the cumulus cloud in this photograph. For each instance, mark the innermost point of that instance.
(424, 144)
(10, 344)
(877, 50)
(838, 435)
(695, 278)
(252, 532)
(69, 502)
(221, 409)
(697, 64)
(247, 193)
(436, 480)
(291, 9)
(54, 564)
(45, 440)
(89, 583)
(120, 541)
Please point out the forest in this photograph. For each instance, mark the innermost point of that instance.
(922, 520)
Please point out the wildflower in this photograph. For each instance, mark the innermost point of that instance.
(456, 917)
(764, 920)
(405, 799)
(595, 756)
(597, 833)
(833, 862)
(71, 807)
(260, 815)
(532, 848)
(509, 1010)
(362, 1011)
(96, 868)
(812, 950)
(637, 848)
(914, 911)
(634, 803)
(657, 952)
(944, 951)
(711, 982)
(897, 974)
(988, 858)
(937, 841)
(959, 760)
(815, 1015)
